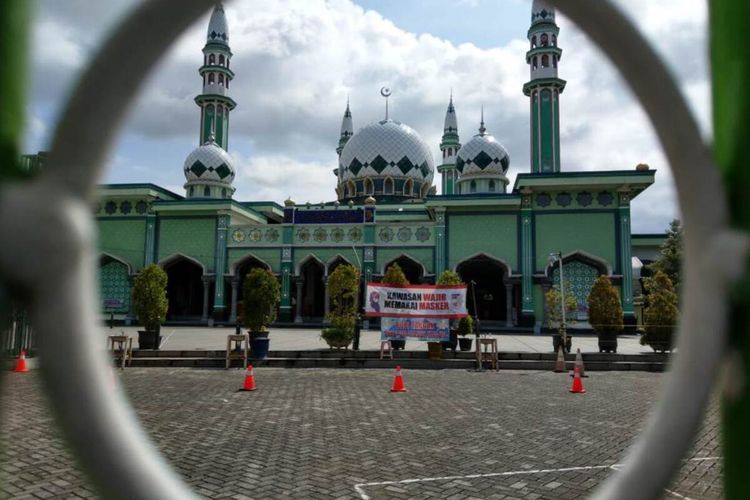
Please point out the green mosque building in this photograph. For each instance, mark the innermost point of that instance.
(386, 210)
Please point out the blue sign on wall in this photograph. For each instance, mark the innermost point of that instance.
(426, 329)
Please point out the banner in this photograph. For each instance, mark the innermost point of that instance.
(427, 329)
(419, 301)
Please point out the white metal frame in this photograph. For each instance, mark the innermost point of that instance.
(50, 255)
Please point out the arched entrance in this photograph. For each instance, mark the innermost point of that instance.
(310, 291)
(413, 270)
(580, 272)
(114, 285)
(185, 290)
(489, 276)
(338, 261)
(237, 292)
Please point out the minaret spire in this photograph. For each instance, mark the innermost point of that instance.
(449, 146)
(544, 89)
(482, 128)
(214, 101)
(347, 128)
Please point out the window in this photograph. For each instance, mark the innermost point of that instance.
(388, 189)
(369, 188)
(221, 60)
(206, 191)
(211, 78)
(554, 61)
(190, 191)
(545, 61)
(534, 64)
(223, 192)
(545, 40)
(492, 186)
(408, 188)
(473, 187)
(554, 40)
(533, 42)
(221, 78)
(351, 189)
(211, 60)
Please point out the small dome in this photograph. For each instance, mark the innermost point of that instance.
(218, 31)
(209, 163)
(387, 149)
(542, 13)
(482, 155)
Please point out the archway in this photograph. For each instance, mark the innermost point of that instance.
(242, 269)
(312, 293)
(580, 271)
(336, 262)
(489, 276)
(413, 270)
(114, 284)
(185, 289)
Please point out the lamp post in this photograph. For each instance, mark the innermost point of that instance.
(557, 256)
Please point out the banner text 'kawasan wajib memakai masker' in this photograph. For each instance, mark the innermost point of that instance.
(423, 301)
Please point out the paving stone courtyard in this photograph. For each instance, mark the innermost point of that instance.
(324, 433)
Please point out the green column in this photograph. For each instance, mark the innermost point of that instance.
(222, 223)
(527, 262)
(440, 242)
(730, 64)
(149, 252)
(286, 274)
(623, 216)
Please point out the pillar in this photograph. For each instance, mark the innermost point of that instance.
(327, 306)
(440, 243)
(509, 305)
(222, 222)
(149, 256)
(130, 317)
(623, 215)
(546, 287)
(298, 313)
(235, 289)
(527, 262)
(206, 282)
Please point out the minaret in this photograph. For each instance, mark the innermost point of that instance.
(214, 101)
(449, 147)
(544, 89)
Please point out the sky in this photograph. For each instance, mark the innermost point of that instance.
(297, 61)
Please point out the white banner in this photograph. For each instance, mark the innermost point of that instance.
(422, 301)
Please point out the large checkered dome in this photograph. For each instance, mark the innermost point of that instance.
(387, 149)
(482, 155)
(209, 163)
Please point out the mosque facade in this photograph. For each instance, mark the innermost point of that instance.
(386, 210)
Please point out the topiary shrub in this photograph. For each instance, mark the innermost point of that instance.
(150, 297)
(661, 313)
(553, 301)
(394, 276)
(262, 293)
(605, 309)
(343, 292)
(449, 278)
(465, 326)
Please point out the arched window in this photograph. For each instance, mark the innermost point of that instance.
(545, 61)
(388, 186)
(545, 40)
(369, 187)
(352, 190)
(473, 187)
(190, 192)
(206, 191)
(211, 78)
(534, 64)
(211, 60)
(554, 61)
(408, 188)
(533, 42)
(223, 192)
(221, 60)
(492, 186)
(221, 78)
(554, 40)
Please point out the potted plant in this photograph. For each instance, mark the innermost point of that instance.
(605, 313)
(661, 313)
(343, 292)
(262, 293)
(395, 276)
(450, 278)
(553, 302)
(465, 328)
(150, 304)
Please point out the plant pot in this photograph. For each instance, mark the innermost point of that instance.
(148, 340)
(259, 345)
(338, 343)
(435, 350)
(465, 343)
(660, 345)
(398, 344)
(607, 341)
(452, 343)
(557, 341)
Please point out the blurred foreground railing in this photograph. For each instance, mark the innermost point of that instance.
(16, 334)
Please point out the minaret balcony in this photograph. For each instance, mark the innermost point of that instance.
(557, 83)
(215, 89)
(215, 68)
(539, 51)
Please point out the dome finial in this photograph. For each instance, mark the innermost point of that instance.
(386, 92)
(482, 128)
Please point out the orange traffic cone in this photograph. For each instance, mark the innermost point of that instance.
(21, 363)
(577, 387)
(560, 362)
(249, 384)
(398, 382)
(579, 364)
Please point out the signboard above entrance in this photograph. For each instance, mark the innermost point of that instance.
(420, 301)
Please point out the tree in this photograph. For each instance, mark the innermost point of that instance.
(661, 313)
(605, 309)
(394, 275)
(670, 255)
(449, 278)
(150, 297)
(553, 300)
(262, 293)
(343, 291)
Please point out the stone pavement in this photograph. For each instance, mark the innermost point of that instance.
(319, 434)
(298, 339)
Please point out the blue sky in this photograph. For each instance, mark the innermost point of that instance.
(296, 62)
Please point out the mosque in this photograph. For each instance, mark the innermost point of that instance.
(386, 210)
